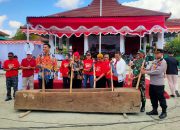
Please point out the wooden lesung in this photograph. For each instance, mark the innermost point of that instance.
(122, 100)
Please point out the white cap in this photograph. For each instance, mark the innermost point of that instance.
(29, 52)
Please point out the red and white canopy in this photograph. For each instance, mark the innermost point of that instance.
(68, 26)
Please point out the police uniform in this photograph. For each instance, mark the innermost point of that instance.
(156, 90)
(136, 71)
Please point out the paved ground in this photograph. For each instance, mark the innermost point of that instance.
(68, 121)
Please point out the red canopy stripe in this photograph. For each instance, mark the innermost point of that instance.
(92, 25)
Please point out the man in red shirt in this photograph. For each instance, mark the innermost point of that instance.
(64, 69)
(11, 67)
(88, 70)
(28, 65)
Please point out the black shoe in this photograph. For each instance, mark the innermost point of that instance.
(142, 109)
(173, 96)
(163, 115)
(153, 112)
(7, 99)
(177, 93)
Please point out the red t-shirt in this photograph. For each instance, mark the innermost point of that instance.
(64, 69)
(88, 63)
(100, 68)
(25, 63)
(15, 64)
(108, 69)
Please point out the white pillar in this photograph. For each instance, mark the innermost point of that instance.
(55, 44)
(100, 37)
(122, 44)
(86, 45)
(67, 44)
(51, 42)
(140, 43)
(60, 43)
(160, 42)
(145, 44)
(150, 39)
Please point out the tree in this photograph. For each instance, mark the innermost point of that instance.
(174, 46)
(22, 36)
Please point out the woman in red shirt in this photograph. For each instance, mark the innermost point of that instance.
(64, 69)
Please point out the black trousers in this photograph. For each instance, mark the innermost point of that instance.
(118, 84)
(77, 83)
(108, 81)
(156, 94)
(48, 84)
(101, 83)
(66, 82)
(11, 82)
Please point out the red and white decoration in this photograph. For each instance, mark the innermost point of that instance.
(106, 25)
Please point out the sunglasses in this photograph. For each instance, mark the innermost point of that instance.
(10, 56)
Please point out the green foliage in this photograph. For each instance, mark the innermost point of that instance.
(19, 36)
(174, 46)
(22, 36)
(178, 58)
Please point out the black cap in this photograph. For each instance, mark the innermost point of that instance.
(88, 53)
(159, 51)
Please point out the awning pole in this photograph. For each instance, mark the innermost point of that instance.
(100, 9)
(100, 37)
(140, 42)
(55, 44)
(27, 33)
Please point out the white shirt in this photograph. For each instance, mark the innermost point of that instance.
(120, 69)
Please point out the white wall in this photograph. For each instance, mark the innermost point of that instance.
(17, 49)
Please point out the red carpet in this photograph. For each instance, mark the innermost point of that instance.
(58, 84)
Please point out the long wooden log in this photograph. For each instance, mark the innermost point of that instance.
(121, 100)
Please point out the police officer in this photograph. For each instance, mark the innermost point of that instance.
(136, 66)
(156, 90)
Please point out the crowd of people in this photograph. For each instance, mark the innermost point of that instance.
(100, 72)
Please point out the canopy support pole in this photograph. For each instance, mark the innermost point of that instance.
(140, 43)
(160, 42)
(55, 40)
(86, 45)
(27, 33)
(67, 44)
(122, 44)
(151, 40)
(100, 12)
(100, 37)
(145, 44)
(51, 42)
(60, 43)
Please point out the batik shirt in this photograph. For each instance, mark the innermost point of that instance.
(50, 66)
